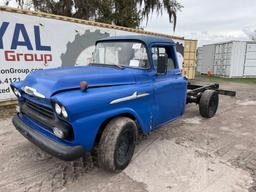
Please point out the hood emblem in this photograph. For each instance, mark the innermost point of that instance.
(33, 92)
(135, 95)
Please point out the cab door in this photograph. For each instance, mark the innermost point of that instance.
(169, 86)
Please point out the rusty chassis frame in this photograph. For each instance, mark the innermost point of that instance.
(195, 91)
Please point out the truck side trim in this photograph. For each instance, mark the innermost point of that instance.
(135, 95)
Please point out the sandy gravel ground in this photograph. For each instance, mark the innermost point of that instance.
(191, 154)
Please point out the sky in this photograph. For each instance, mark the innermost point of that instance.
(209, 21)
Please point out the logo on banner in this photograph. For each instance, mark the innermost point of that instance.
(20, 38)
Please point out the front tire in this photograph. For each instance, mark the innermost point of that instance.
(117, 144)
(208, 103)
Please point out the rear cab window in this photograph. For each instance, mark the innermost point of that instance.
(158, 51)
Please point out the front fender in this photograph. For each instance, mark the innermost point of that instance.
(86, 128)
(89, 110)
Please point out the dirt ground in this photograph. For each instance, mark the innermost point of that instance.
(191, 154)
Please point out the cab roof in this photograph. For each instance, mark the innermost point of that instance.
(143, 38)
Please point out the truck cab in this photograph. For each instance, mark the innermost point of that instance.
(133, 85)
(156, 72)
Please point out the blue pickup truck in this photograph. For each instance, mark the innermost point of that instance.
(132, 86)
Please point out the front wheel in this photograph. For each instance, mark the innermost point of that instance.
(117, 144)
(208, 103)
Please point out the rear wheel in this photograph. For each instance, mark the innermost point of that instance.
(208, 103)
(117, 144)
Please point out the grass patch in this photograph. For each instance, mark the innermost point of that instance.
(223, 79)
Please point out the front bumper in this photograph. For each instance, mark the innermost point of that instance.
(61, 151)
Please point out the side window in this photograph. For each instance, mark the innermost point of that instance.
(163, 51)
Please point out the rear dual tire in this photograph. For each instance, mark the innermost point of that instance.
(208, 104)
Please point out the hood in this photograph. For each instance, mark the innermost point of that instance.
(50, 81)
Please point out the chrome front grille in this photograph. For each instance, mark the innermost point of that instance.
(36, 109)
(44, 116)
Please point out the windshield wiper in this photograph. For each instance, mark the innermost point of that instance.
(108, 65)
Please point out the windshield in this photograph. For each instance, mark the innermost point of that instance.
(123, 54)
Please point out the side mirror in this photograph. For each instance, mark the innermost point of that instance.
(162, 63)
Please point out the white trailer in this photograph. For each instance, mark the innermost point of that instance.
(250, 60)
(205, 57)
(229, 59)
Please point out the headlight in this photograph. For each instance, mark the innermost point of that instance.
(57, 108)
(58, 132)
(60, 110)
(16, 92)
(64, 112)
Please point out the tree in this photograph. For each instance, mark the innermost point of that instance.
(171, 6)
(5, 2)
(128, 13)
